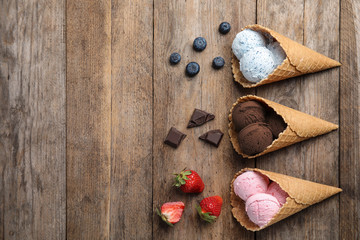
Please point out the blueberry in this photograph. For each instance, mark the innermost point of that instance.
(199, 44)
(175, 58)
(192, 69)
(218, 62)
(224, 27)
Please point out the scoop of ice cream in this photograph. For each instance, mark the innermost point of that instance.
(246, 113)
(257, 64)
(261, 208)
(276, 123)
(278, 52)
(250, 183)
(246, 40)
(254, 138)
(275, 190)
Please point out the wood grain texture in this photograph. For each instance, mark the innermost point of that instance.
(131, 168)
(349, 120)
(32, 117)
(88, 118)
(100, 124)
(177, 24)
(315, 94)
(320, 98)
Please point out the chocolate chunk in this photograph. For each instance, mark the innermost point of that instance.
(199, 117)
(213, 137)
(174, 137)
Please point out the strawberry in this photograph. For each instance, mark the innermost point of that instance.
(171, 212)
(210, 208)
(189, 181)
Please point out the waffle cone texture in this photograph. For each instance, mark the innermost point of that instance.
(302, 194)
(299, 60)
(300, 126)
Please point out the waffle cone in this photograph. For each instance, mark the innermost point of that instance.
(300, 126)
(299, 60)
(302, 194)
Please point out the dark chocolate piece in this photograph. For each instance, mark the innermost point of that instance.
(174, 137)
(213, 137)
(199, 117)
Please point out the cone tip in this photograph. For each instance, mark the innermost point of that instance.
(336, 63)
(335, 126)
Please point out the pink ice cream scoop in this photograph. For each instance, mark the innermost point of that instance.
(275, 190)
(261, 208)
(250, 183)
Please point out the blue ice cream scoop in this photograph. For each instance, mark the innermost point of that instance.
(247, 40)
(278, 53)
(257, 64)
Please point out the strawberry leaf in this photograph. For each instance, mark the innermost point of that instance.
(163, 217)
(158, 212)
(205, 215)
(181, 177)
(187, 173)
(168, 223)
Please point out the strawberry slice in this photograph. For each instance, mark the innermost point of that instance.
(171, 212)
(210, 208)
(189, 181)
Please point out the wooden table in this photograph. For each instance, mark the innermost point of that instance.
(87, 97)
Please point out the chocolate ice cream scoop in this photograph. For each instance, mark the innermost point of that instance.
(246, 113)
(276, 123)
(254, 138)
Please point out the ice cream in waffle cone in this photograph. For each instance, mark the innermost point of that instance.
(299, 60)
(300, 126)
(302, 194)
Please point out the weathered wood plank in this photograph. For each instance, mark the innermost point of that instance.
(316, 94)
(132, 96)
(349, 120)
(88, 118)
(177, 24)
(320, 98)
(32, 117)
